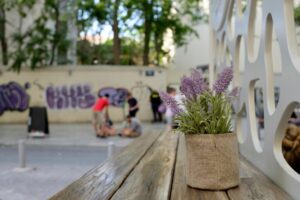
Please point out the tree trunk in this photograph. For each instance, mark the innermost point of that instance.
(67, 29)
(117, 42)
(147, 42)
(56, 36)
(71, 31)
(158, 46)
(3, 36)
(148, 14)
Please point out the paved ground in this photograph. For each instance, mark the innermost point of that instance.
(65, 135)
(69, 152)
(54, 168)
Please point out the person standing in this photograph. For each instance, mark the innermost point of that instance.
(100, 114)
(133, 105)
(155, 103)
(169, 114)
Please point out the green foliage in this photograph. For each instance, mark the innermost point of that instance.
(19, 55)
(32, 48)
(157, 17)
(208, 114)
(88, 53)
(36, 47)
(89, 10)
(58, 42)
(131, 52)
(43, 44)
(297, 15)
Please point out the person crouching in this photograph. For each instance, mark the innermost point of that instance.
(132, 127)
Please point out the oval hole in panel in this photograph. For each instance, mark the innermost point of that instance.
(254, 30)
(287, 141)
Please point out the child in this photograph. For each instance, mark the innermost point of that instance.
(106, 130)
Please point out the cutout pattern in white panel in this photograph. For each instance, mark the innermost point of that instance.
(259, 37)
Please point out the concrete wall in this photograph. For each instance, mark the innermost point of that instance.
(195, 52)
(88, 80)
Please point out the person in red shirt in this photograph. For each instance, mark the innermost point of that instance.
(100, 114)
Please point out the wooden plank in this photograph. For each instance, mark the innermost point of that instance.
(256, 186)
(180, 191)
(102, 181)
(152, 177)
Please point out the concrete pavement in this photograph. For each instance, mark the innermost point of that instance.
(69, 152)
(53, 169)
(66, 135)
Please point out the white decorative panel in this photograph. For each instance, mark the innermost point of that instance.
(258, 38)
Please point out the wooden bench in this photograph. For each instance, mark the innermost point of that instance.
(152, 167)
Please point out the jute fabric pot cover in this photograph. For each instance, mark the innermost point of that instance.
(212, 161)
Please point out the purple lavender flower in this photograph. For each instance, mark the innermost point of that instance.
(193, 86)
(198, 82)
(170, 101)
(224, 78)
(187, 88)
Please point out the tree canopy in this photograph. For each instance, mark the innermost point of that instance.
(129, 32)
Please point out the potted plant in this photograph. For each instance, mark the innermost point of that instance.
(212, 158)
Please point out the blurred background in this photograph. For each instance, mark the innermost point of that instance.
(57, 56)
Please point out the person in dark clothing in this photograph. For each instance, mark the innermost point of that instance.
(133, 105)
(155, 103)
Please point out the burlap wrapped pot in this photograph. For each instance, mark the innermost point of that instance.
(212, 161)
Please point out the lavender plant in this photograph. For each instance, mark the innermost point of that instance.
(206, 111)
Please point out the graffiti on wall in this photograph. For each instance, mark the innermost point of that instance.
(117, 96)
(74, 96)
(81, 96)
(13, 97)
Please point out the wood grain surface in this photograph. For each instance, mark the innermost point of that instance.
(153, 168)
(152, 177)
(101, 182)
(256, 186)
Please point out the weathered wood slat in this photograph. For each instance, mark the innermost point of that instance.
(180, 191)
(153, 167)
(256, 186)
(152, 177)
(102, 181)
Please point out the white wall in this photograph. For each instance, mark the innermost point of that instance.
(196, 52)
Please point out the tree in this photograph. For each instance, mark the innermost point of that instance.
(142, 9)
(142, 25)
(147, 8)
(18, 54)
(3, 40)
(161, 16)
(37, 46)
(115, 27)
(52, 8)
(297, 15)
(104, 12)
(69, 8)
(90, 11)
